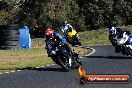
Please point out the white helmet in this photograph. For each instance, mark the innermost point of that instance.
(65, 22)
(112, 30)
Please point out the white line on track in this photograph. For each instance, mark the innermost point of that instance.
(48, 65)
(42, 66)
(37, 67)
(52, 64)
(93, 51)
(7, 72)
(19, 70)
(12, 71)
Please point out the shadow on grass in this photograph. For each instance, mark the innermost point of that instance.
(43, 69)
(110, 57)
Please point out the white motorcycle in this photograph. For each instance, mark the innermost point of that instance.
(125, 42)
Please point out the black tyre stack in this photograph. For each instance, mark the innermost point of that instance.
(9, 37)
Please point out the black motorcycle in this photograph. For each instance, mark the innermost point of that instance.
(62, 55)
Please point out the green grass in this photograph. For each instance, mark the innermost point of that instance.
(21, 58)
(94, 37)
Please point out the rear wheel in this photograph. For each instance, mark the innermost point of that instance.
(77, 61)
(76, 58)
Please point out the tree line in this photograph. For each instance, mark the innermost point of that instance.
(82, 14)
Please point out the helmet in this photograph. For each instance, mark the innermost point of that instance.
(112, 30)
(49, 33)
(64, 23)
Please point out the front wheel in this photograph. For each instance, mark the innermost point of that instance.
(76, 58)
(55, 59)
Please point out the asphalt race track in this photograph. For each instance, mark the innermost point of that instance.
(103, 61)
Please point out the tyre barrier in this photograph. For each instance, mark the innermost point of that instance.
(9, 37)
(9, 32)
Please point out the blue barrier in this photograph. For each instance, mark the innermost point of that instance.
(25, 40)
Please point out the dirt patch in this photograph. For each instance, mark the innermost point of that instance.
(80, 51)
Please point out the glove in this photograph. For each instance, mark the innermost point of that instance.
(61, 44)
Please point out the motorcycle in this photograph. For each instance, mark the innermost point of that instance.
(72, 37)
(63, 56)
(121, 42)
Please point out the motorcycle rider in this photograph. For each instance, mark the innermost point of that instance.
(65, 27)
(51, 35)
(118, 34)
(113, 32)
